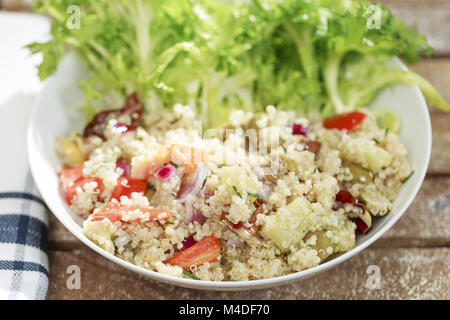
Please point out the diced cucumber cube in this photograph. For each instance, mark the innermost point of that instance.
(290, 224)
(388, 120)
(376, 158)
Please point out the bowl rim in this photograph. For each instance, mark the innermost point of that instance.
(224, 285)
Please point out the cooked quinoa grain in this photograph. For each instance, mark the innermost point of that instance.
(251, 201)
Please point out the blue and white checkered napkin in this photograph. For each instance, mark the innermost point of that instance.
(23, 215)
(23, 245)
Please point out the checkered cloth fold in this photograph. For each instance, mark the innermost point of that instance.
(23, 244)
(23, 215)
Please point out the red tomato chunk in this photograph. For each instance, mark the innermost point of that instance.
(206, 250)
(346, 121)
(126, 186)
(113, 211)
(72, 178)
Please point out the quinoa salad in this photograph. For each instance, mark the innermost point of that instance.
(265, 195)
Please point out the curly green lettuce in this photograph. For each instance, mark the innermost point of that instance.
(217, 56)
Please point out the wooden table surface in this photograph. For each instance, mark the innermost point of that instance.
(413, 257)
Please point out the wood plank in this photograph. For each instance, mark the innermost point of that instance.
(59, 238)
(405, 274)
(426, 221)
(432, 18)
(437, 71)
(412, 2)
(440, 155)
(15, 5)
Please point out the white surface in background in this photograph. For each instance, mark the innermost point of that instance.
(18, 74)
(19, 84)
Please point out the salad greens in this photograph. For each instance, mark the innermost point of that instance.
(326, 55)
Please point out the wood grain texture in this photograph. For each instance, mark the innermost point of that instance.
(437, 71)
(405, 274)
(440, 155)
(432, 18)
(426, 221)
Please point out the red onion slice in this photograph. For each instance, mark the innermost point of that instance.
(267, 191)
(193, 215)
(194, 186)
(121, 128)
(125, 168)
(338, 205)
(297, 128)
(189, 241)
(97, 125)
(233, 243)
(165, 172)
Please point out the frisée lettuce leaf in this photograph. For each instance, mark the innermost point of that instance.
(216, 56)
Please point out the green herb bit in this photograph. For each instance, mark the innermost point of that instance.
(190, 275)
(254, 195)
(409, 176)
(160, 224)
(362, 201)
(113, 237)
(237, 192)
(150, 186)
(175, 165)
(144, 108)
(220, 165)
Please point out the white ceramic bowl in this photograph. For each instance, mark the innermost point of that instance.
(55, 114)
